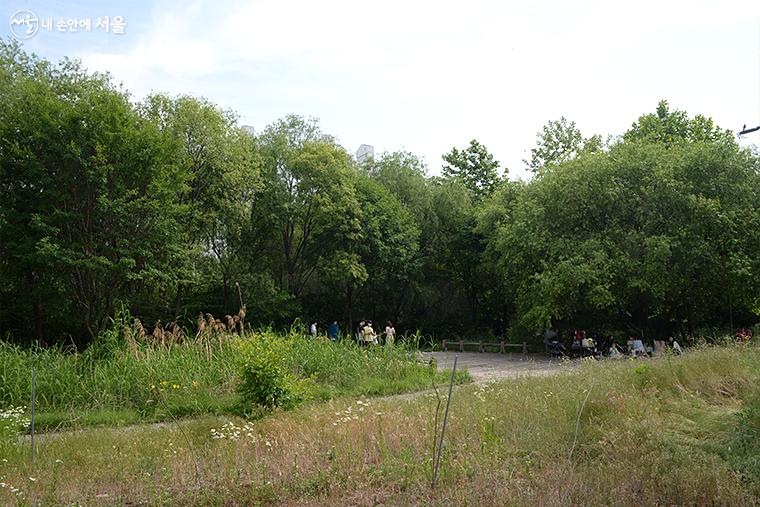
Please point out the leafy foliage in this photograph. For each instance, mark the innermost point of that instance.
(264, 379)
(475, 167)
(560, 141)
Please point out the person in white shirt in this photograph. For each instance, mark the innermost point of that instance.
(390, 334)
(676, 347)
(369, 334)
(313, 329)
(638, 347)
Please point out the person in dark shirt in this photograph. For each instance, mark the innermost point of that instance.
(332, 331)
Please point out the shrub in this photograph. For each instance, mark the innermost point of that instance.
(265, 380)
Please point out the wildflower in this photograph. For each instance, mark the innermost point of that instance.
(175, 386)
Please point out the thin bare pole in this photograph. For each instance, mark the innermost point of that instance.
(34, 394)
(443, 429)
(435, 425)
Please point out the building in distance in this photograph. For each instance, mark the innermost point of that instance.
(365, 152)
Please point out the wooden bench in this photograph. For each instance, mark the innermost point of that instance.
(482, 345)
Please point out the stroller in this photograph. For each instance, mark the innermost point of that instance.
(553, 347)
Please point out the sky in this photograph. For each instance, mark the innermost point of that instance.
(424, 76)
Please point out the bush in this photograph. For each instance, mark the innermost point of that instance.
(265, 380)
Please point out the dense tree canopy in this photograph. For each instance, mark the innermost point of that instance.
(168, 207)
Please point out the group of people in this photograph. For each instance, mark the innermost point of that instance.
(583, 345)
(365, 333)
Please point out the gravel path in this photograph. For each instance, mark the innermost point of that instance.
(485, 367)
(490, 367)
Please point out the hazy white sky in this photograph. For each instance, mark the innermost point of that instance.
(428, 75)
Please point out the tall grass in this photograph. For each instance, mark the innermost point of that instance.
(121, 381)
(159, 383)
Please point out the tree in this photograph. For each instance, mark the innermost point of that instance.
(389, 249)
(308, 204)
(656, 236)
(89, 216)
(560, 141)
(475, 167)
(219, 170)
(671, 127)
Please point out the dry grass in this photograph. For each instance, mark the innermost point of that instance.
(663, 432)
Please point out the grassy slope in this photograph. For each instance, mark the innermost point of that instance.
(667, 431)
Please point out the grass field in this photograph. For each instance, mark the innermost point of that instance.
(668, 431)
(115, 384)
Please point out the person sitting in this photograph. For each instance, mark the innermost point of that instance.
(615, 351)
(587, 346)
(576, 347)
(637, 347)
(677, 350)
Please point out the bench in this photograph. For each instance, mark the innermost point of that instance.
(481, 345)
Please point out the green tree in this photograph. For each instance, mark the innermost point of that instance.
(89, 215)
(307, 206)
(219, 171)
(389, 249)
(475, 167)
(670, 127)
(560, 141)
(651, 235)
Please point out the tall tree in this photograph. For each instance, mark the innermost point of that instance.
(652, 235)
(671, 127)
(219, 172)
(308, 201)
(475, 167)
(86, 183)
(560, 141)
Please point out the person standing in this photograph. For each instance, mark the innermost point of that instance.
(369, 334)
(390, 334)
(313, 330)
(333, 330)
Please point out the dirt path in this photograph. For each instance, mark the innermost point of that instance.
(490, 367)
(485, 367)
